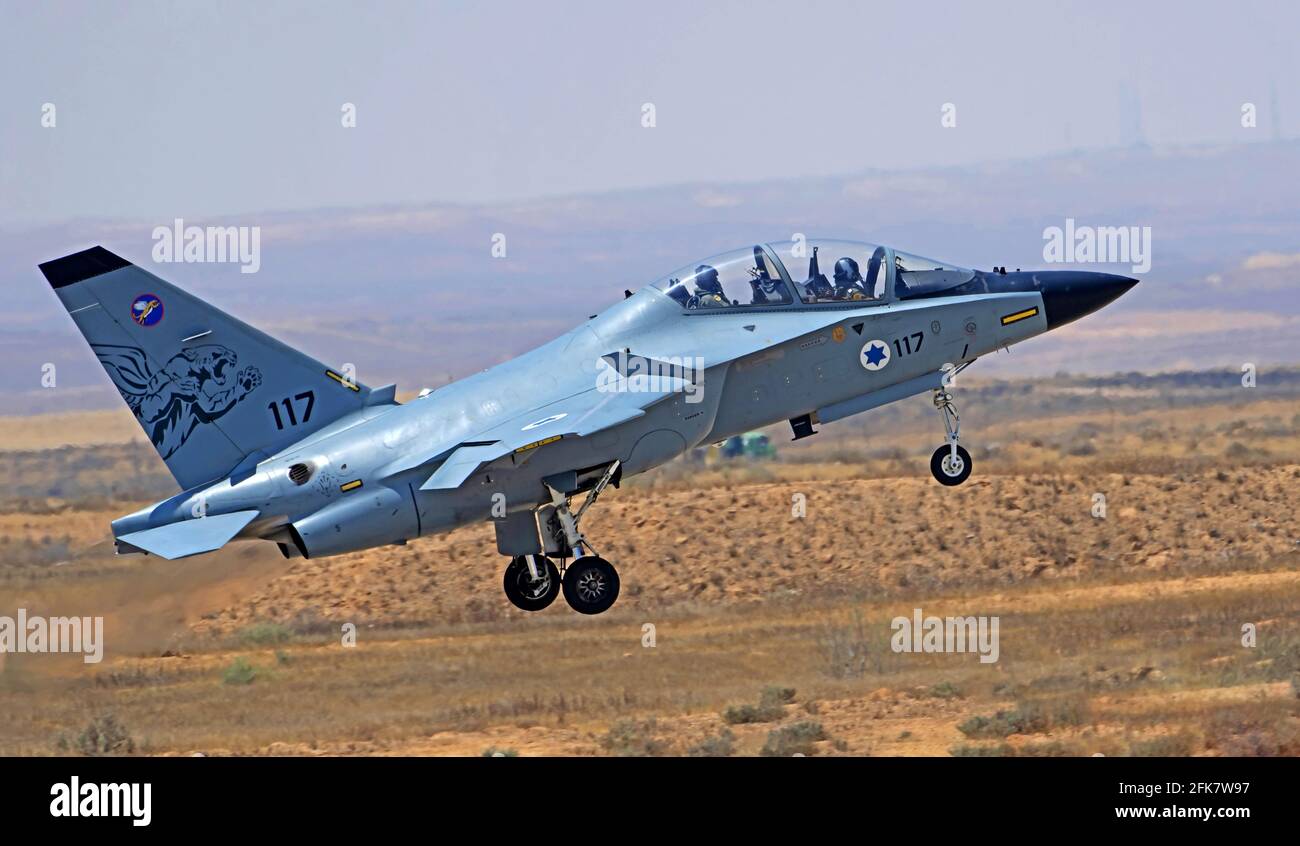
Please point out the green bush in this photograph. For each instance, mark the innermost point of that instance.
(770, 707)
(265, 634)
(634, 739)
(794, 739)
(493, 752)
(239, 672)
(720, 745)
(943, 690)
(762, 713)
(1027, 718)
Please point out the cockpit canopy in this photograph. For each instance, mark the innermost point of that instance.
(748, 277)
(809, 272)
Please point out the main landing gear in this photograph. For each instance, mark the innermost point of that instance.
(532, 582)
(590, 584)
(951, 463)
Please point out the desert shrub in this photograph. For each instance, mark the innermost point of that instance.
(748, 713)
(103, 736)
(239, 672)
(771, 707)
(1241, 732)
(1050, 749)
(1028, 718)
(1002, 724)
(634, 739)
(794, 739)
(1176, 745)
(1001, 750)
(942, 690)
(493, 752)
(847, 648)
(774, 695)
(265, 634)
(720, 745)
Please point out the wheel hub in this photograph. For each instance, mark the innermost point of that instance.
(591, 586)
(534, 589)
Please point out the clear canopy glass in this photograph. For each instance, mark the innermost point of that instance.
(821, 271)
(745, 277)
(916, 276)
(825, 271)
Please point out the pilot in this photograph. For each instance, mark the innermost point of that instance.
(708, 290)
(766, 289)
(848, 281)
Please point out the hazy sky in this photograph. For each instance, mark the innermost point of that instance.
(187, 109)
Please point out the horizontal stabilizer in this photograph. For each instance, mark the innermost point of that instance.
(189, 537)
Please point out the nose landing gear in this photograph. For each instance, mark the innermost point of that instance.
(951, 463)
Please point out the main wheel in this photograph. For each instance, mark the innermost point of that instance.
(526, 593)
(948, 471)
(590, 585)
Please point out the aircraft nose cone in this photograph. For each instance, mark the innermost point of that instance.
(1070, 294)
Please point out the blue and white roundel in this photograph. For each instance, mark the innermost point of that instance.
(147, 310)
(875, 355)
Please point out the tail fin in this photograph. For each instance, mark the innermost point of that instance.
(209, 390)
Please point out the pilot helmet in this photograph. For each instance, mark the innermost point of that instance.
(846, 272)
(706, 279)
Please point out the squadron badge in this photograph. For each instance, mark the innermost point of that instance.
(146, 310)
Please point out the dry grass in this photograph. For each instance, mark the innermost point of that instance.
(1119, 636)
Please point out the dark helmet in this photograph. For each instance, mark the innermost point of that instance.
(706, 279)
(846, 273)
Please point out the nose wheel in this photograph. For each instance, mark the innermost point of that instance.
(951, 463)
(948, 468)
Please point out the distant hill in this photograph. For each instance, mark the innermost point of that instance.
(413, 295)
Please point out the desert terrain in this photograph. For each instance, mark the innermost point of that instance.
(1123, 529)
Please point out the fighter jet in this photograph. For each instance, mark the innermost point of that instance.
(267, 443)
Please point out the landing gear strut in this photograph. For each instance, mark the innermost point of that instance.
(590, 583)
(951, 463)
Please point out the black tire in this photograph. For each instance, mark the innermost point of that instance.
(940, 467)
(523, 592)
(590, 585)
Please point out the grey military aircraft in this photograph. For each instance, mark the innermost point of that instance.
(268, 443)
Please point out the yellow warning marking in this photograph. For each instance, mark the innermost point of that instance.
(536, 444)
(1020, 315)
(838, 334)
(350, 486)
(347, 383)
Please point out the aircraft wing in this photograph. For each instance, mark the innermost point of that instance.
(579, 415)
